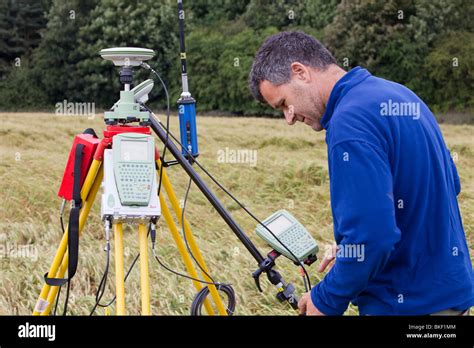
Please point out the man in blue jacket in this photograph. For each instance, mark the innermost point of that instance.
(393, 184)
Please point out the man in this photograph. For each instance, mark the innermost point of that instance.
(393, 184)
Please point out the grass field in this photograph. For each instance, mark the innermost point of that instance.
(290, 173)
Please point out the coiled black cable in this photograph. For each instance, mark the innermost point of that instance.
(198, 301)
(200, 297)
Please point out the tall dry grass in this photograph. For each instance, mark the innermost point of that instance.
(291, 173)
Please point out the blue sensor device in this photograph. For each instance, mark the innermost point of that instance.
(187, 126)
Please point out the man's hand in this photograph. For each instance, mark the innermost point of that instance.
(306, 306)
(328, 259)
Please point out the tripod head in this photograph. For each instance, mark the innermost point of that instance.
(127, 109)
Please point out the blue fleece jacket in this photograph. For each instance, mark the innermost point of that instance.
(402, 248)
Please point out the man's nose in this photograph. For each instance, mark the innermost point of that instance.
(289, 116)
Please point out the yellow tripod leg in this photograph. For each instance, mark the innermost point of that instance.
(87, 205)
(183, 252)
(88, 193)
(191, 241)
(144, 272)
(119, 270)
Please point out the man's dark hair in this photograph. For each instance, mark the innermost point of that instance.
(273, 60)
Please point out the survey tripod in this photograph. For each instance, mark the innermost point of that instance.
(90, 167)
(90, 188)
(89, 192)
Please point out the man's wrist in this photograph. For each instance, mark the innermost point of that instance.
(318, 302)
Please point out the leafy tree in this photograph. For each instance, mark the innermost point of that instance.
(56, 59)
(115, 23)
(409, 41)
(450, 69)
(394, 38)
(433, 20)
(17, 92)
(205, 12)
(362, 29)
(21, 22)
(220, 61)
(49, 70)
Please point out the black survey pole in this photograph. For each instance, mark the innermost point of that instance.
(182, 49)
(239, 232)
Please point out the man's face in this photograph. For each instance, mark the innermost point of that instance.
(297, 99)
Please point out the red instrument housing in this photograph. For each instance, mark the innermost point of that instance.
(90, 144)
(93, 149)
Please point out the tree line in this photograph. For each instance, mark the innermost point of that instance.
(49, 48)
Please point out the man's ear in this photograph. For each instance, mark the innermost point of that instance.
(300, 71)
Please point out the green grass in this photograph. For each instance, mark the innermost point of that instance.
(291, 173)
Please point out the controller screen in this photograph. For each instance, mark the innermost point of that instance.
(134, 151)
(279, 225)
